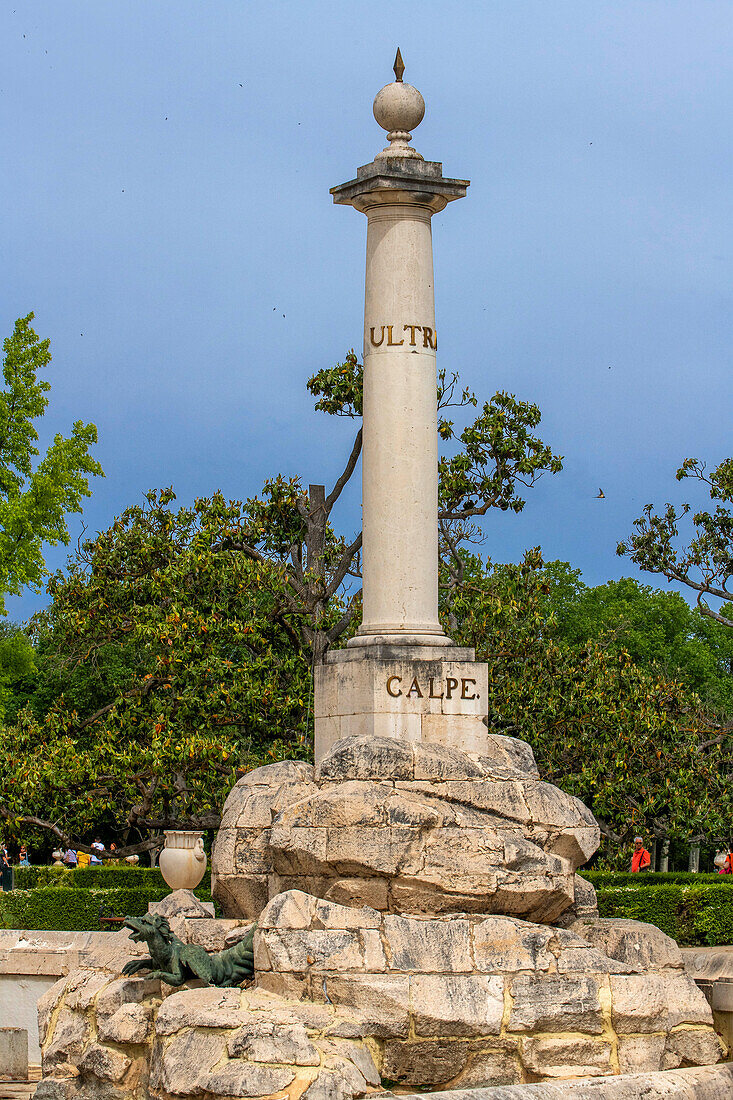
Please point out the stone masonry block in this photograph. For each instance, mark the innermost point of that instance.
(414, 694)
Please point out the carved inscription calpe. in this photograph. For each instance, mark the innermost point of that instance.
(409, 338)
(428, 689)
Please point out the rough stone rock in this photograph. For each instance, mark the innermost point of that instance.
(110, 1065)
(241, 859)
(265, 1050)
(639, 945)
(182, 903)
(424, 1064)
(124, 991)
(209, 1007)
(584, 906)
(455, 1001)
(47, 1003)
(551, 1002)
(70, 1033)
(492, 1065)
(412, 828)
(638, 1006)
(406, 828)
(507, 946)
(457, 1004)
(695, 1046)
(381, 1000)
(57, 1088)
(686, 1004)
(438, 991)
(271, 1041)
(640, 1053)
(246, 1079)
(186, 1062)
(129, 1024)
(82, 987)
(208, 932)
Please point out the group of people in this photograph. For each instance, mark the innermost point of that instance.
(641, 860)
(71, 858)
(67, 858)
(23, 860)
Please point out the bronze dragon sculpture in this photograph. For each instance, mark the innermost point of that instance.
(175, 962)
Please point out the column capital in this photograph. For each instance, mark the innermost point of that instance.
(399, 180)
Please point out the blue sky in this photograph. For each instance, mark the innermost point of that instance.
(165, 175)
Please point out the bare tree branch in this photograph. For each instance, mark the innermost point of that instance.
(343, 567)
(346, 475)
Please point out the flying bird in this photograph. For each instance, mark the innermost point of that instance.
(601, 495)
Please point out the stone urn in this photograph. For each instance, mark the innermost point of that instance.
(183, 859)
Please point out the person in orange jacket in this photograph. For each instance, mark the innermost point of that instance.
(640, 860)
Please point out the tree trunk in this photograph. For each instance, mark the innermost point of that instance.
(653, 854)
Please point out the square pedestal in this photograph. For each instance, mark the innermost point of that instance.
(415, 693)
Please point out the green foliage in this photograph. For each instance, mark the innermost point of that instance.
(205, 681)
(85, 878)
(658, 629)
(625, 741)
(705, 565)
(29, 878)
(17, 664)
(34, 501)
(692, 915)
(74, 909)
(655, 878)
(498, 454)
(339, 389)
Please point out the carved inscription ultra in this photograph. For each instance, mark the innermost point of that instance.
(409, 338)
(445, 688)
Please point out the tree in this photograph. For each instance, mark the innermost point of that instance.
(705, 565)
(166, 671)
(659, 630)
(34, 502)
(290, 530)
(178, 649)
(17, 664)
(631, 743)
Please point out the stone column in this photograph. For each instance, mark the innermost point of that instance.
(664, 858)
(399, 192)
(400, 677)
(693, 863)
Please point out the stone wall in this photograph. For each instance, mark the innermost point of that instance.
(128, 1038)
(464, 999)
(344, 999)
(30, 963)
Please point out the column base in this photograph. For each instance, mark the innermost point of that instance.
(428, 692)
(386, 639)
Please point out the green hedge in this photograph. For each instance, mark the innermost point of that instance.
(692, 915)
(655, 878)
(107, 876)
(69, 909)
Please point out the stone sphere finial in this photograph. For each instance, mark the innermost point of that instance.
(399, 108)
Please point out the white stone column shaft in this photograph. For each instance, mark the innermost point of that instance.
(400, 441)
